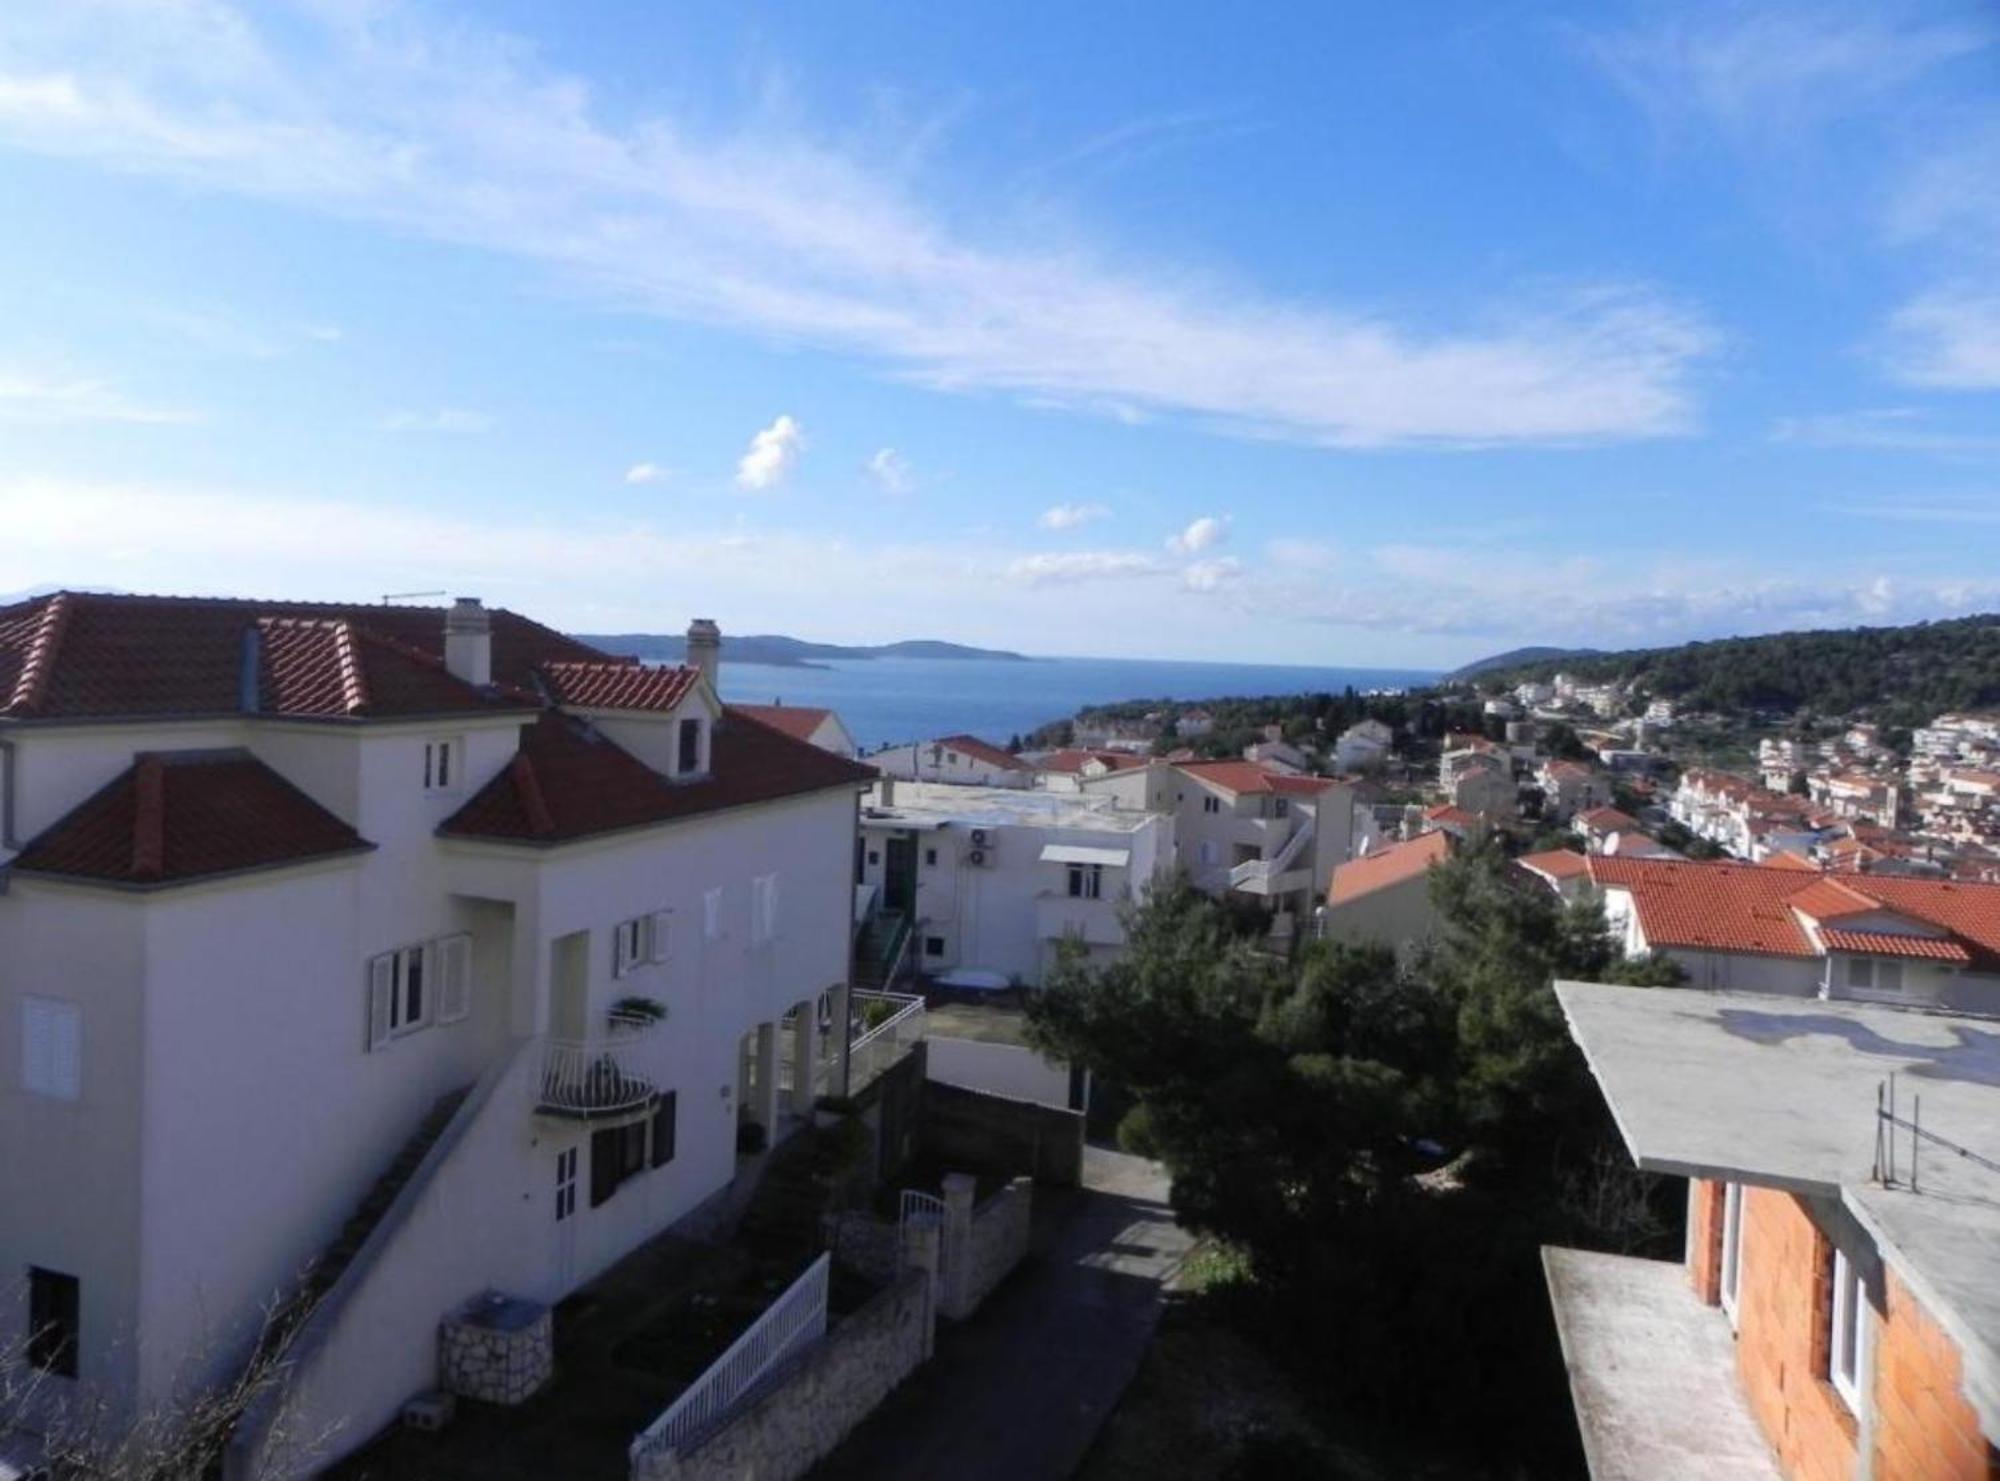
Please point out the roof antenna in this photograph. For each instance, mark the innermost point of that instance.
(406, 596)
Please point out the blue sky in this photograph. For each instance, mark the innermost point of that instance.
(1392, 336)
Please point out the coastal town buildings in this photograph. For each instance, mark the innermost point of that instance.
(818, 727)
(964, 759)
(302, 901)
(1363, 746)
(1383, 897)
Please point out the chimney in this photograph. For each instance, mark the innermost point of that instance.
(704, 648)
(468, 642)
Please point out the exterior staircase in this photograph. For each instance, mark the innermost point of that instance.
(781, 1228)
(881, 950)
(368, 1213)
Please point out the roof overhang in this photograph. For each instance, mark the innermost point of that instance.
(1077, 853)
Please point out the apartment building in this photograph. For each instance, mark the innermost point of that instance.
(1837, 1310)
(1384, 897)
(296, 896)
(964, 759)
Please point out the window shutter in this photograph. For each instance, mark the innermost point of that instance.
(770, 907)
(381, 994)
(66, 1059)
(618, 963)
(711, 914)
(604, 1149)
(656, 935)
(663, 1129)
(454, 978)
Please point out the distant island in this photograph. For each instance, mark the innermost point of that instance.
(777, 651)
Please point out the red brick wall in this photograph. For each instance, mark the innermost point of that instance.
(1924, 1429)
(1704, 1252)
(1782, 1338)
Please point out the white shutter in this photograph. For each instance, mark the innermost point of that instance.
(381, 994)
(656, 935)
(52, 1048)
(765, 905)
(619, 960)
(68, 1036)
(711, 914)
(454, 978)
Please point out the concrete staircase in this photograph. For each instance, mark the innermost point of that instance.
(781, 1228)
(368, 1213)
(879, 956)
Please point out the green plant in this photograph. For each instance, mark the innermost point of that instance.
(638, 1010)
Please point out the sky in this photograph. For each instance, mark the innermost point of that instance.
(1359, 335)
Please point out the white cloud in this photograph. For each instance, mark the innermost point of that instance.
(1948, 340)
(1069, 516)
(1212, 575)
(32, 397)
(891, 471)
(646, 473)
(470, 138)
(1061, 567)
(1888, 428)
(773, 453)
(1302, 555)
(1203, 534)
(446, 419)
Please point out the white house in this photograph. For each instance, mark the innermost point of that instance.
(817, 727)
(994, 879)
(280, 879)
(963, 759)
(1363, 746)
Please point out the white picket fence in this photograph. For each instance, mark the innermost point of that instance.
(792, 1322)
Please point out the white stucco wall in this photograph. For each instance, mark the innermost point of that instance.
(1012, 1070)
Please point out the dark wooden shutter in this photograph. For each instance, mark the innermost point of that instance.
(663, 1130)
(54, 1321)
(604, 1171)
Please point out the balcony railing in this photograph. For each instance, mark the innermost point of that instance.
(872, 1052)
(596, 1076)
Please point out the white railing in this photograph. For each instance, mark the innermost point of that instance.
(871, 1053)
(789, 1324)
(1253, 872)
(595, 1076)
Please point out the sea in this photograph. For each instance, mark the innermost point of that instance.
(884, 701)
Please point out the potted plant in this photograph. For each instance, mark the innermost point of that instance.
(632, 1014)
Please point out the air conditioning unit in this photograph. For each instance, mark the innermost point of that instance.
(977, 858)
(979, 838)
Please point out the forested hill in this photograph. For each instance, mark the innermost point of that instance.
(1901, 676)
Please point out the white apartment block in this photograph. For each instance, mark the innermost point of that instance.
(994, 880)
(962, 759)
(1363, 746)
(279, 878)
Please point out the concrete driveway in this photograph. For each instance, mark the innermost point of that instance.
(1020, 1391)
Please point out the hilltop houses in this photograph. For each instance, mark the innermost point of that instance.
(1363, 746)
(305, 900)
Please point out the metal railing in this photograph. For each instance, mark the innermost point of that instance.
(873, 1052)
(595, 1076)
(789, 1324)
(1263, 871)
(1887, 1170)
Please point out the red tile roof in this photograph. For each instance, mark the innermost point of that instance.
(1888, 943)
(569, 781)
(89, 656)
(1450, 813)
(1557, 863)
(797, 721)
(1788, 859)
(172, 817)
(618, 684)
(1608, 820)
(1070, 760)
(1755, 910)
(979, 750)
(1247, 776)
(1390, 866)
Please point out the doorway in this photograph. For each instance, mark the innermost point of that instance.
(899, 874)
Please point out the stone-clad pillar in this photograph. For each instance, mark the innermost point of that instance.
(805, 1058)
(922, 1251)
(960, 1189)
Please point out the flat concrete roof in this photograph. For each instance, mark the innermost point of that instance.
(935, 804)
(1652, 1372)
(1781, 1092)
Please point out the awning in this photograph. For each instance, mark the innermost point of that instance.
(1076, 853)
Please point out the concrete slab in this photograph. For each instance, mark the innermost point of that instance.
(1652, 1372)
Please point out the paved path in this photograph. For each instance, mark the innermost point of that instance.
(1019, 1392)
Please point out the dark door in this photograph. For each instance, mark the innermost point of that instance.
(899, 874)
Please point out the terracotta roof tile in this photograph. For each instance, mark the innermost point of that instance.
(797, 721)
(1557, 863)
(1247, 776)
(570, 781)
(1390, 866)
(1889, 943)
(619, 684)
(979, 750)
(172, 817)
(1608, 820)
(1070, 760)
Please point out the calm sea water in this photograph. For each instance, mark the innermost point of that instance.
(899, 699)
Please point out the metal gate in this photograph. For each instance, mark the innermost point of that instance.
(922, 1211)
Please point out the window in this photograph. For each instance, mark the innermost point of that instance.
(638, 942)
(1207, 851)
(1874, 974)
(1086, 881)
(930, 858)
(443, 763)
(663, 1129)
(1847, 1327)
(1211, 804)
(1281, 807)
(615, 1155)
(933, 946)
(55, 1320)
(51, 1048)
(690, 747)
(565, 1184)
(1732, 1247)
(763, 910)
(874, 856)
(414, 986)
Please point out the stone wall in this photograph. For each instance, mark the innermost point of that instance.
(995, 1244)
(862, 1243)
(809, 1404)
(969, 1128)
(501, 1366)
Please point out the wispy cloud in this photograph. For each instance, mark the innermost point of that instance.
(1203, 534)
(450, 420)
(1069, 516)
(469, 138)
(1888, 429)
(773, 453)
(1069, 566)
(891, 471)
(646, 473)
(1212, 575)
(27, 396)
(1949, 339)
(1976, 511)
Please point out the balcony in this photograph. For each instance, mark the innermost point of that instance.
(583, 1079)
(891, 1022)
(1281, 873)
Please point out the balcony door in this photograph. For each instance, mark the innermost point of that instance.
(569, 987)
(899, 873)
